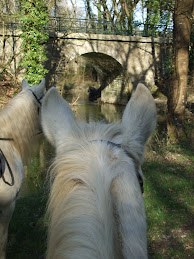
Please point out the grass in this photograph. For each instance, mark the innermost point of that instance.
(168, 200)
(27, 235)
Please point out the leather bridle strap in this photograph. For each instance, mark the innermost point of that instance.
(3, 162)
(6, 139)
(37, 99)
(139, 177)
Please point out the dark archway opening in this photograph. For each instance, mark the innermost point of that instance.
(88, 75)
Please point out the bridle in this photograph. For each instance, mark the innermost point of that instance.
(37, 99)
(3, 163)
(3, 160)
(139, 177)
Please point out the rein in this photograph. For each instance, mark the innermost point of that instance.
(3, 162)
(6, 139)
(139, 177)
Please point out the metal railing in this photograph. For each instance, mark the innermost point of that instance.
(92, 26)
(107, 27)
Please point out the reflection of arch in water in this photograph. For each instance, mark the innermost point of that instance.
(95, 112)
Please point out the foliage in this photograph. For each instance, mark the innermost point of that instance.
(158, 14)
(113, 11)
(34, 18)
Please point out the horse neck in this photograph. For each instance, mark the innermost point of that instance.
(19, 120)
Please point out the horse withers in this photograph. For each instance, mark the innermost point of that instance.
(19, 124)
(96, 207)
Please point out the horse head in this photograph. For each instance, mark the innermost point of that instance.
(96, 205)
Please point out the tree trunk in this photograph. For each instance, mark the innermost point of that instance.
(178, 88)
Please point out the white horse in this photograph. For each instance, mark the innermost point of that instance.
(19, 123)
(96, 206)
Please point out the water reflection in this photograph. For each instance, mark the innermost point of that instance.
(93, 111)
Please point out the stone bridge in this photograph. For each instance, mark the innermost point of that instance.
(121, 61)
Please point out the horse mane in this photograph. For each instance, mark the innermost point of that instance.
(20, 120)
(80, 206)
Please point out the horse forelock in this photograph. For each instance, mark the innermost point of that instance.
(20, 120)
(81, 137)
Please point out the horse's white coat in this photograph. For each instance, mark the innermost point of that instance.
(19, 120)
(96, 207)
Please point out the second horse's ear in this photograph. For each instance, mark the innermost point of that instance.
(42, 85)
(25, 85)
(56, 116)
(39, 89)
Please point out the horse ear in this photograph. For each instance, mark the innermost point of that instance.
(42, 85)
(25, 85)
(138, 121)
(56, 116)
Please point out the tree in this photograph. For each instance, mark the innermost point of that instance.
(34, 18)
(158, 14)
(177, 92)
(113, 11)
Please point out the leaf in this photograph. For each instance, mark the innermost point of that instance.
(34, 19)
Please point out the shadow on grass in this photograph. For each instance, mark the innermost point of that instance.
(168, 200)
(27, 231)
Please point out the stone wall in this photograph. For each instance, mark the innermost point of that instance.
(117, 91)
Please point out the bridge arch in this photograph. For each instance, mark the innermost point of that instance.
(109, 73)
(86, 48)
